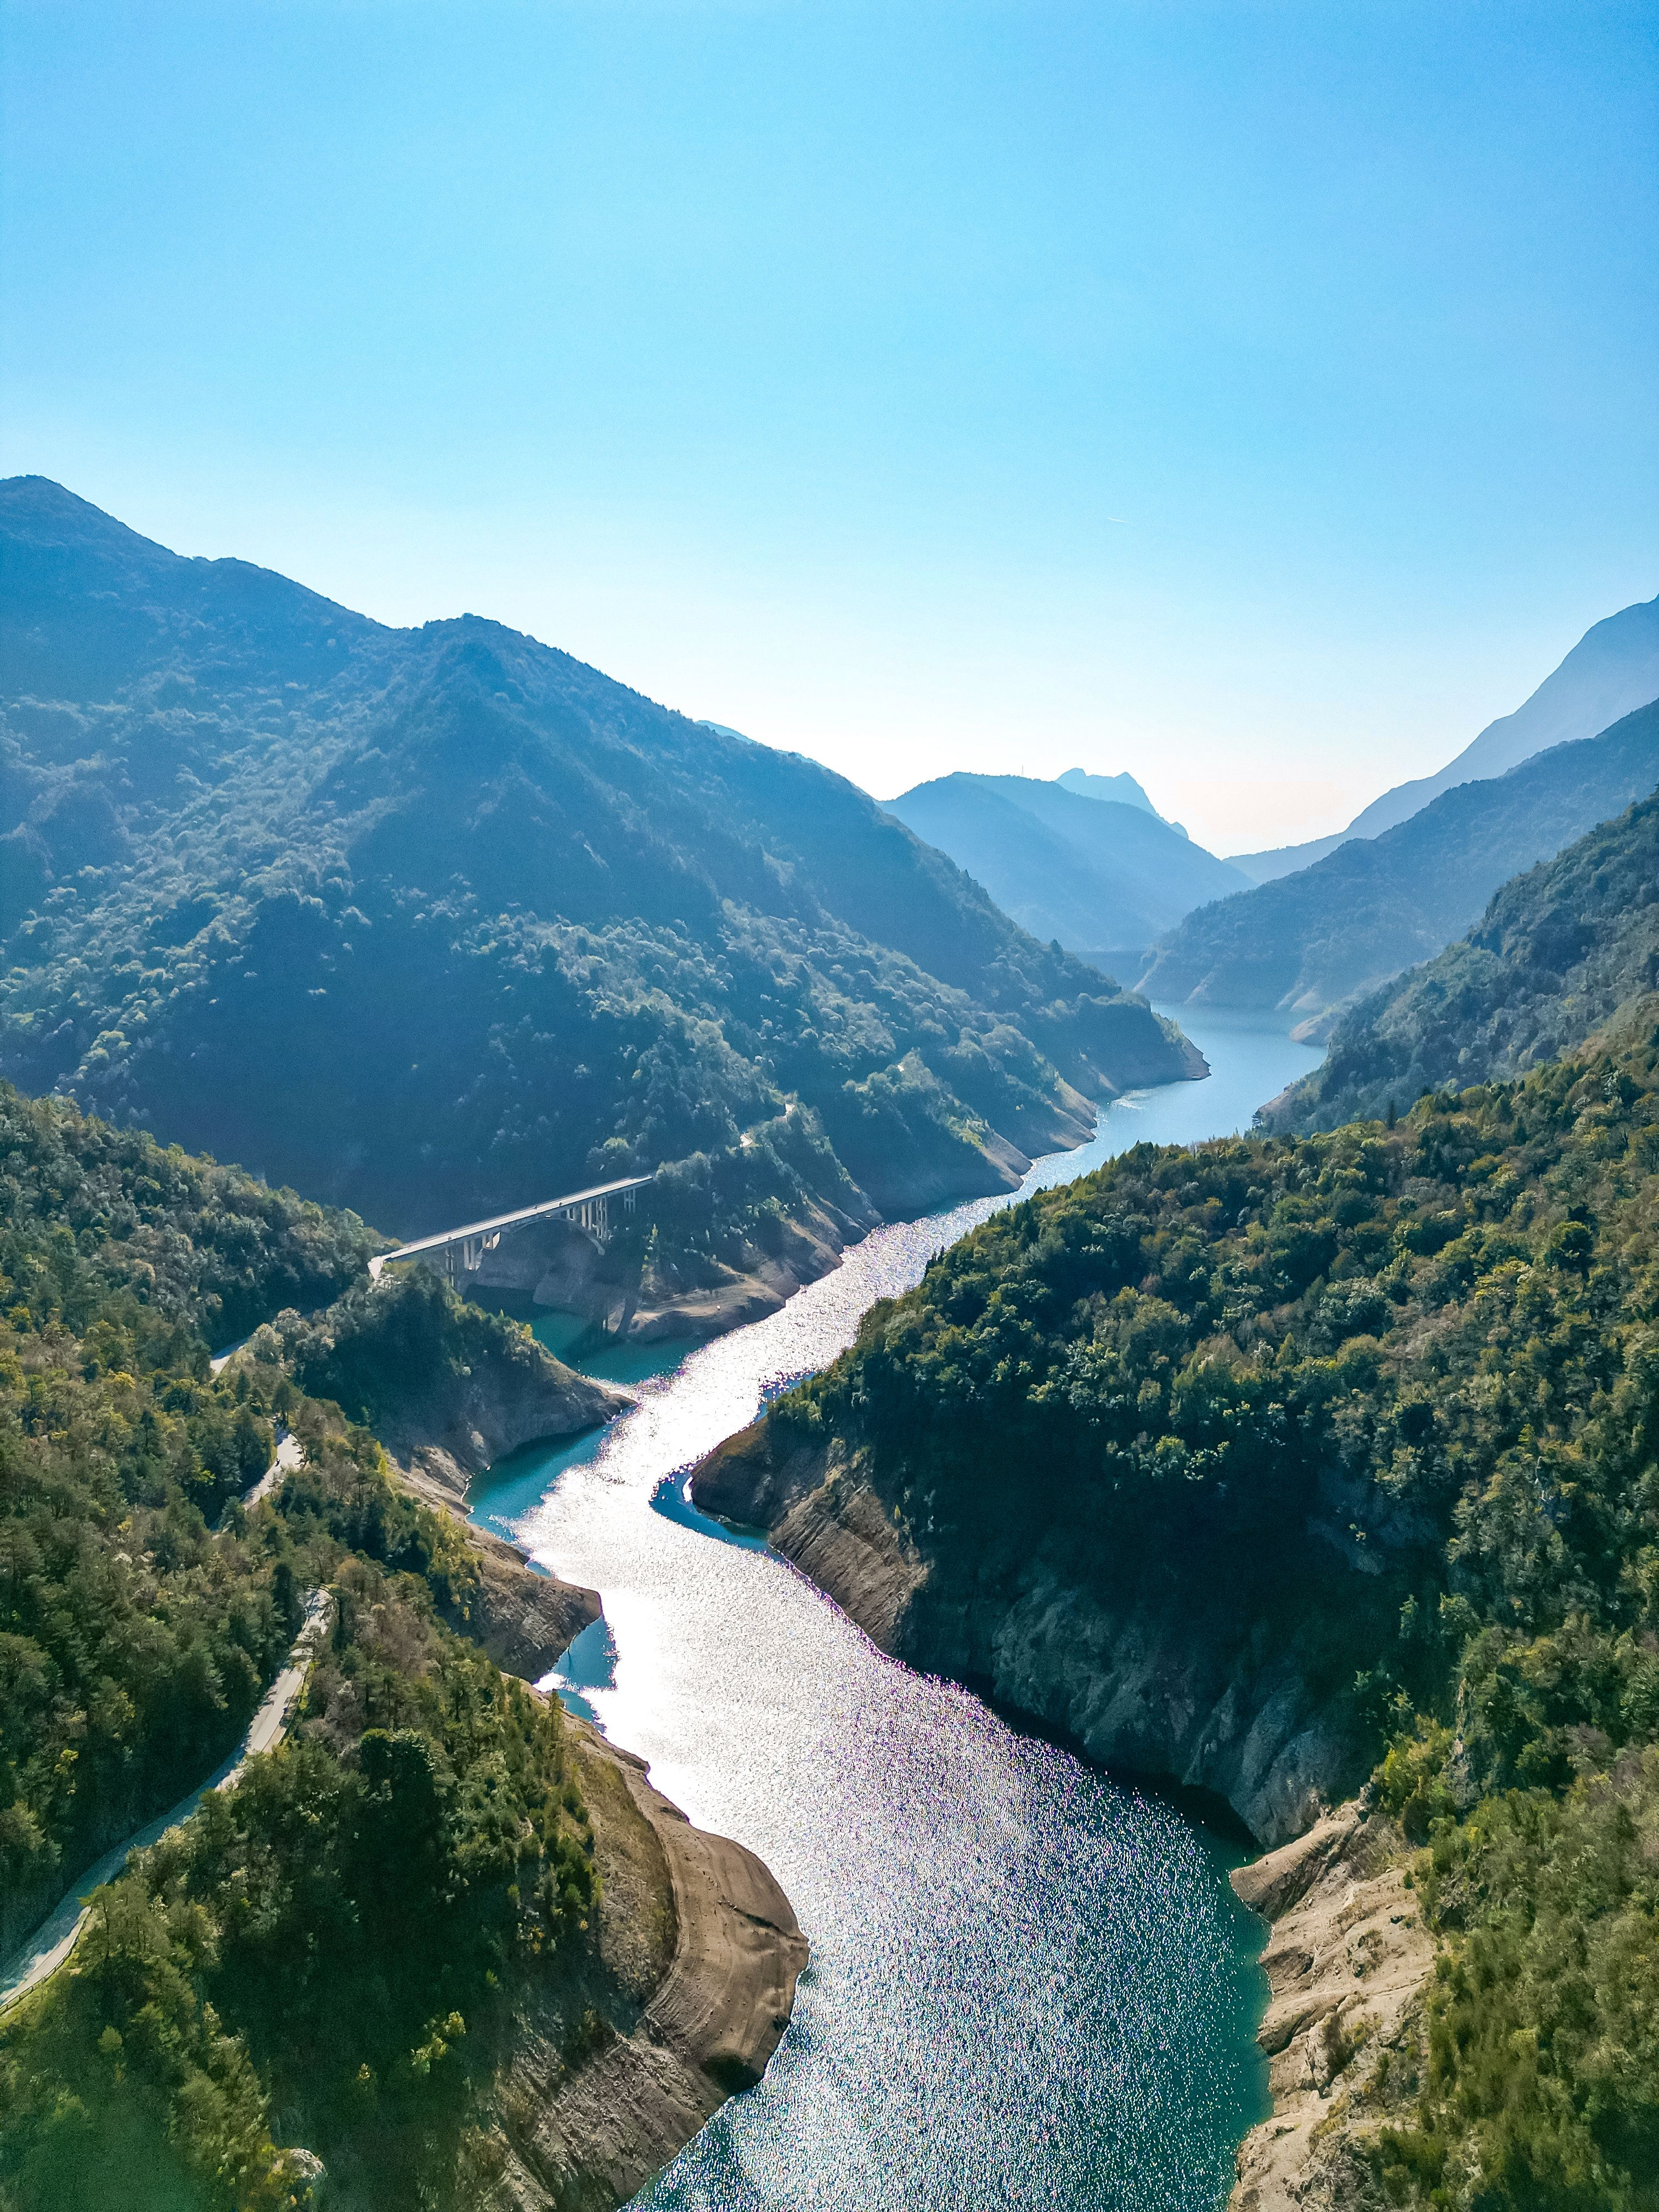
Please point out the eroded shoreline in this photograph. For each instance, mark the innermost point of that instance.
(1345, 1957)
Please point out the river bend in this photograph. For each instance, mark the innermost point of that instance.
(1029, 1987)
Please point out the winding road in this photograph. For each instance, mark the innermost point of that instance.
(45, 1951)
(290, 1455)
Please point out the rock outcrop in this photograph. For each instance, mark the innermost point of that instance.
(526, 1618)
(584, 2123)
(820, 1516)
(1152, 1687)
(464, 1423)
(1347, 1960)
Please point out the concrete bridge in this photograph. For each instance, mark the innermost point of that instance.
(455, 1252)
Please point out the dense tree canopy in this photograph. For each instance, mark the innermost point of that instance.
(329, 1937)
(508, 927)
(1403, 1382)
(1562, 950)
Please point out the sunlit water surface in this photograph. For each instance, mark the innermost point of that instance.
(1028, 1987)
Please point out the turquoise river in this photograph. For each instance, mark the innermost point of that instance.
(1029, 1986)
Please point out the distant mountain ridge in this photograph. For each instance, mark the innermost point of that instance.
(1121, 790)
(1099, 877)
(505, 925)
(1561, 952)
(1612, 671)
(1305, 943)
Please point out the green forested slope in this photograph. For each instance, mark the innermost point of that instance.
(503, 926)
(1396, 1390)
(1306, 942)
(342, 1939)
(1561, 951)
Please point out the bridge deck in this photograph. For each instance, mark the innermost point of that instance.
(499, 1221)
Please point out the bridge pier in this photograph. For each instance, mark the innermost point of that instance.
(460, 1252)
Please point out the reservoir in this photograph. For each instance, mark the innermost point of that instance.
(1029, 1986)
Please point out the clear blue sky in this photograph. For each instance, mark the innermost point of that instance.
(1256, 397)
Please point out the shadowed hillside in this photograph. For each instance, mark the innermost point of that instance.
(1274, 1463)
(1307, 943)
(506, 925)
(1561, 951)
(1101, 875)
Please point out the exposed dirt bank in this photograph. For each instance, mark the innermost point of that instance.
(1151, 1690)
(1347, 1961)
(556, 1266)
(688, 1987)
(817, 1514)
(695, 1929)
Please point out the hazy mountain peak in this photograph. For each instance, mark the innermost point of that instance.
(1122, 789)
(1101, 875)
(1612, 671)
(1307, 943)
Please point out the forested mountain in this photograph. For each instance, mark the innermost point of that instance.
(1306, 943)
(134, 1647)
(1101, 877)
(1333, 1453)
(439, 922)
(1612, 671)
(437, 1893)
(1563, 951)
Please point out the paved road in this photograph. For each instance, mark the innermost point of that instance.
(290, 1454)
(43, 1952)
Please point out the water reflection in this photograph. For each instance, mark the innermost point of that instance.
(1028, 1987)
(589, 1663)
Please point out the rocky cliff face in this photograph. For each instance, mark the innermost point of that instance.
(463, 1423)
(1163, 1692)
(1143, 1690)
(1347, 1960)
(525, 1620)
(820, 1514)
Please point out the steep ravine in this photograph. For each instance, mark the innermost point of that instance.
(1168, 1697)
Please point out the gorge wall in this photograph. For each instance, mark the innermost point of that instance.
(1201, 1695)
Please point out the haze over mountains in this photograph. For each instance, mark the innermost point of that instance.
(1562, 951)
(502, 924)
(1121, 789)
(1613, 670)
(1074, 861)
(1303, 944)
